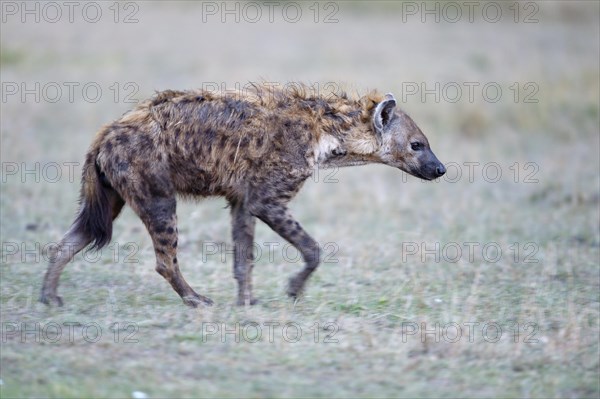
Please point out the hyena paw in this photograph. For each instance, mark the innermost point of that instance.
(197, 299)
(295, 287)
(242, 302)
(51, 299)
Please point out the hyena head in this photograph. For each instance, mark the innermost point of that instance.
(402, 144)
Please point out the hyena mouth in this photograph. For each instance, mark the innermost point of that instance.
(429, 172)
(417, 173)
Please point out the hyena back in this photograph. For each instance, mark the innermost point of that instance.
(254, 149)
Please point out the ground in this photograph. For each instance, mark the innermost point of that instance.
(482, 284)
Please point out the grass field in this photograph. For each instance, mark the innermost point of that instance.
(483, 284)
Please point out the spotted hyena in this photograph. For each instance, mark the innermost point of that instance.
(255, 149)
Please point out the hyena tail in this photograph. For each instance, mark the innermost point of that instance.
(99, 204)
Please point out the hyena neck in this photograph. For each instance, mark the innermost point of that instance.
(351, 149)
(353, 141)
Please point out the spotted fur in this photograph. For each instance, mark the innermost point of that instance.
(254, 148)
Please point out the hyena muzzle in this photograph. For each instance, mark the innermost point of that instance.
(254, 148)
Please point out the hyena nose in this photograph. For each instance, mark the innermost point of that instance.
(440, 170)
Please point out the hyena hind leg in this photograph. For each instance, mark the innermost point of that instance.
(76, 239)
(160, 218)
(73, 242)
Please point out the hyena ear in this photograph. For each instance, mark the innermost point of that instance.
(383, 113)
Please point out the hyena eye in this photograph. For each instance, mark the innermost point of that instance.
(416, 146)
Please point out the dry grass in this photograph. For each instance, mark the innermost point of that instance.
(375, 290)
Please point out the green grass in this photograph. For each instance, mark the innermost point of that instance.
(359, 306)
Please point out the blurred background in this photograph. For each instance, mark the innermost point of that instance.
(508, 95)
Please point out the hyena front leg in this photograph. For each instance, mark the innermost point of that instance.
(243, 224)
(277, 217)
(160, 218)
